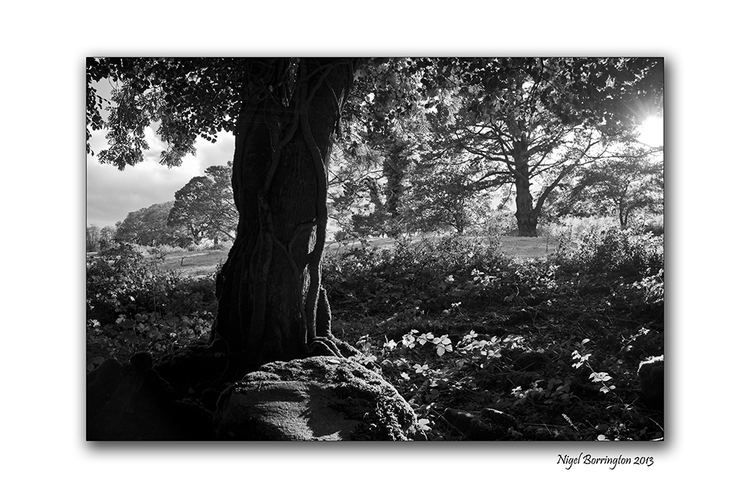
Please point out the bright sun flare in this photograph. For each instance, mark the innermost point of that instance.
(651, 131)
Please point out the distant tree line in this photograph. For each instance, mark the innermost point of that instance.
(99, 239)
(202, 210)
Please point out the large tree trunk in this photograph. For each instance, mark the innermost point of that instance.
(623, 211)
(393, 169)
(269, 287)
(526, 215)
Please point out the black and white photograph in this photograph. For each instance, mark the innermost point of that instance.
(375, 249)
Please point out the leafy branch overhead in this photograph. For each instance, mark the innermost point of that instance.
(187, 97)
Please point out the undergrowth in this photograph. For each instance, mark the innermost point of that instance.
(555, 344)
(132, 305)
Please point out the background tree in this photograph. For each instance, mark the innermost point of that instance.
(618, 187)
(204, 207)
(375, 222)
(535, 120)
(106, 237)
(92, 238)
(148, 226)
(383, 128)
(445, 193)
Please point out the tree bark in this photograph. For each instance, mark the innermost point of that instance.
(268, 289)
(622, 213)
(526, 215)
(393, 169)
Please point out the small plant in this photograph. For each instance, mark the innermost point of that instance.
(600, 379)
(134, 306)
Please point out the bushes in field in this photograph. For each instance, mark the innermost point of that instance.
(132, 305)
(429, 275)
(125, 281)
(628, 266)
(433, 275)
(613, 252)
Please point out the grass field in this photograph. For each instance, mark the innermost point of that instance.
(195, 264)
(205, 262)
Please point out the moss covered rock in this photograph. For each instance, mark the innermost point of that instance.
(314, 399)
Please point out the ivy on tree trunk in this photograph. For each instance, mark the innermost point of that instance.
(269, 287)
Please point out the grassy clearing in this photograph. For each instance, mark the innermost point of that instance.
(205, 263)
(194, 264)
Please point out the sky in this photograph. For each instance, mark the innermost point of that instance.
(651, 131)
(111, 194)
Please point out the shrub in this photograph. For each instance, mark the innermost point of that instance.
(430, 275)
(654, 227)
(132, 305)
(157, 333)
(613, 253)
(500, 223)
(572, 230)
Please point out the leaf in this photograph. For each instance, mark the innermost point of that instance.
(390, 344)
(600, 377)
(421, 369)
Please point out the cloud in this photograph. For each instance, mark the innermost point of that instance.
(111, 194)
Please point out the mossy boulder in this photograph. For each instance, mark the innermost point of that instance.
(319, 398)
